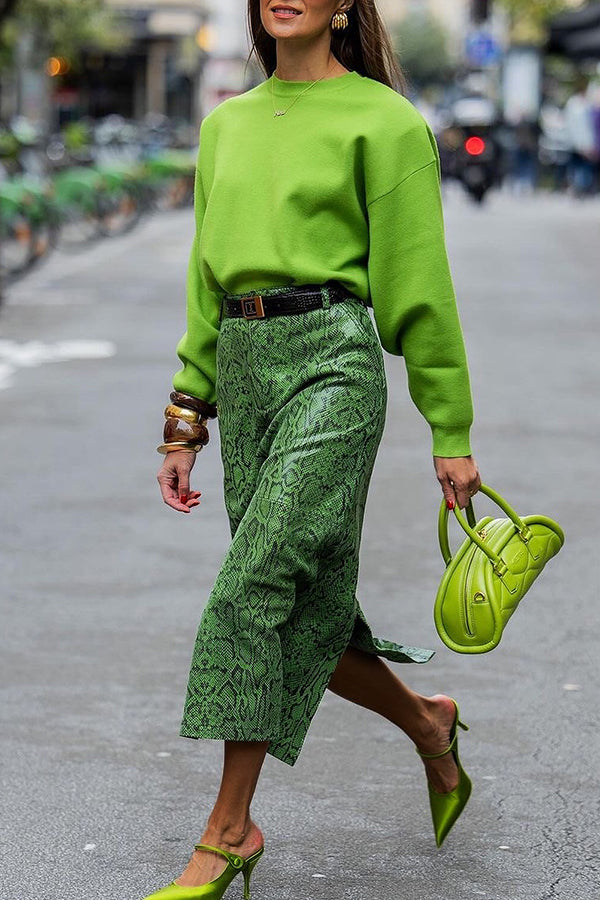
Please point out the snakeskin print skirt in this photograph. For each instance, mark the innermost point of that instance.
(302, 403)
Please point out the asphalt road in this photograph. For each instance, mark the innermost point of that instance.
(103, 587)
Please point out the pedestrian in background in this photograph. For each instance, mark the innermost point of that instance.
(525, 156)
(554, 146)
(580, 129)
(594, 92)
(317, 196)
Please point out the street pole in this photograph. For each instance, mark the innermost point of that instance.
(1, 272)
(481, 11)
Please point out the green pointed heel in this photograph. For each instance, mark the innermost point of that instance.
(447, 807)
(214, 889)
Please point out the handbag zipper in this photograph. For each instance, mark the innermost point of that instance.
(466, 605)
(483, 534)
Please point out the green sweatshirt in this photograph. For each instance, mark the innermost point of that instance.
(345, 186)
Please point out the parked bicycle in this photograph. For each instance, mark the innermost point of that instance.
(91, 181)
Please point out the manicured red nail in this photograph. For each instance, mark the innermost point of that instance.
(450, 504)
(183, 498)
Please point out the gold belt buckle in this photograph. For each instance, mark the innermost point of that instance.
(252, 307)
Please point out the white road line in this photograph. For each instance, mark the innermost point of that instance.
(14, 356)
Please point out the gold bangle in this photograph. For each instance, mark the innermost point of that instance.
(179, 445)
(180, 430)
(190, 402)
(179, 412)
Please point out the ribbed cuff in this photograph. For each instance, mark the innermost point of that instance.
(451, 442)
(190, 380)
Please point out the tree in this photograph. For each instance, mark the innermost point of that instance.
(538, 11)
(59, 27)
(422, 47)
(528, 18)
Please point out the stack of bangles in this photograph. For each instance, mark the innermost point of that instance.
(185, 426)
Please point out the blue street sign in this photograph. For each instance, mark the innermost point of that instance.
(482, 49)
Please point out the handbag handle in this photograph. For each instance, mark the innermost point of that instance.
(469, 528)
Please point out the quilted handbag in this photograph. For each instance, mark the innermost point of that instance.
(490, 573)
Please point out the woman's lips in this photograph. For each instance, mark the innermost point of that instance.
(284, 13)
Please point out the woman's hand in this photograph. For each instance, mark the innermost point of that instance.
(459, 478)
(174, 480)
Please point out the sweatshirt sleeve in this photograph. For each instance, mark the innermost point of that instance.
(414, 303)
(198, 346)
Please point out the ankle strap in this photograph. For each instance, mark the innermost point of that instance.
(438, 755)
(236, 861)
(449, 748)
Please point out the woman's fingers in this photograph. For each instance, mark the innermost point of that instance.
(170, 492)
(459, 479)
(463, 495)
(448, 491)
(192, 500)
(183, 469)
(174, 481)
(462, 491)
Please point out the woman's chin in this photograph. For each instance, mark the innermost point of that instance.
(282, 31)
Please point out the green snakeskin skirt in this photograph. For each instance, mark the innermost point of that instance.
(302, 404)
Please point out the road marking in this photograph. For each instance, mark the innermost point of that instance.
(15, 356)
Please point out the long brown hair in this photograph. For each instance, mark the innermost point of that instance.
(365, 46)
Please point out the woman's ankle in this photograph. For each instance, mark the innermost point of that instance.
(230, 834)
(436, 714)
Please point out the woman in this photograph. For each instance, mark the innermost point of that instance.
(317, 195)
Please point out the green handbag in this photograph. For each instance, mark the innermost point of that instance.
(490, 573)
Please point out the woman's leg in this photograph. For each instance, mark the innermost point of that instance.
(229, 825)
(365, 679)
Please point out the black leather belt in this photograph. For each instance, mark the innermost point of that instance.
(295, 299)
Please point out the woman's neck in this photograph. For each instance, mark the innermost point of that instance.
(295, 63)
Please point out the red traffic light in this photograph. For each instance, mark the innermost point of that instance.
(475, 146)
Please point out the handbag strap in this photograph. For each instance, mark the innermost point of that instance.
(469, 528)
(443, 528)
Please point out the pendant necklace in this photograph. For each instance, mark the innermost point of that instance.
(282, 112)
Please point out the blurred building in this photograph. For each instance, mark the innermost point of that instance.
(160, 71)
(157, 70)
(576, 34)
(182, 58)
(226, 72)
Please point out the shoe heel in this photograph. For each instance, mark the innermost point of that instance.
(462, 725)
(247, 870)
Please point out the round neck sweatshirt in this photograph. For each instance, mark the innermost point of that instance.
(344, 186)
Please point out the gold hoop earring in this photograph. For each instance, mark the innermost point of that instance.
(339, 21)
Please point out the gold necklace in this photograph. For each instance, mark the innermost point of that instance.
(282, 112)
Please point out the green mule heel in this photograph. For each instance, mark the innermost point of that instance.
(447, 807)
(214, 889)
